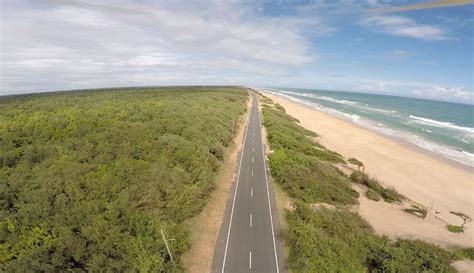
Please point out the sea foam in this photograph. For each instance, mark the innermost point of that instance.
(441, 124)
(459, 156)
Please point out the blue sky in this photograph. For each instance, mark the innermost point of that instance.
(361, 46)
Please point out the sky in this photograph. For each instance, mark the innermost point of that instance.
(369, 46)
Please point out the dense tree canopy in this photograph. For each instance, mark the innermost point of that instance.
(88, 178)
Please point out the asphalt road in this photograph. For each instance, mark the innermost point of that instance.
(248, 239)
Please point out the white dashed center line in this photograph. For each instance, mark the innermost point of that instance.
(250, 260)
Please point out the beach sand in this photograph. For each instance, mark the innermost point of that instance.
(435, 183)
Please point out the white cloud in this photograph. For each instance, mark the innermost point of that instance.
(445, 93)
(374, 87)
(403, 26)
(55, 44)
(153, 59)
(81, 43)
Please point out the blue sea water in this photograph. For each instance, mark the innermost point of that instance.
(441, 127)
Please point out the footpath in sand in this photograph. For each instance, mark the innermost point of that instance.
(435, 183)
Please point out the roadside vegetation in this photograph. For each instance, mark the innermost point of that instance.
(90, 178)
(335, 239)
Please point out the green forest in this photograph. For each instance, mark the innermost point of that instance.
(335, 239)
(88, 179)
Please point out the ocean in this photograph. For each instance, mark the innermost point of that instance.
(444, 128)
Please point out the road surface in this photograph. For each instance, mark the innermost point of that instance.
(248, 239)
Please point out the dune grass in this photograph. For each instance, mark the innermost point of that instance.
(417, 210)
(90, 178)
(373, 195)
(389, 195)
(335, 240)
(357, 162)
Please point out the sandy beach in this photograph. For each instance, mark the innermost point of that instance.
(435, 183)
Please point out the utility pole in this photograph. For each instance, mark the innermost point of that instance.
(167, 247)
(233, 126)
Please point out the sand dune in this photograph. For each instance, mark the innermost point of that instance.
(437, 184)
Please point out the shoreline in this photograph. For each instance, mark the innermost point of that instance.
(424, 177)
(399, 140)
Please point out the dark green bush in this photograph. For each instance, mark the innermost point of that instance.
(409, 256)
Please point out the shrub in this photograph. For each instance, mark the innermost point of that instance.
(417, 210)
(357, 162)
(468, 253)
(465, 218)
(455, 229)
(279, 107)
(409, 256)
(326, 240)
(463, 253)
(372, 195)
(284, 132)
(306, 178)
(389, 195)
(341, 241)
(217, 151)
(359, 177)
